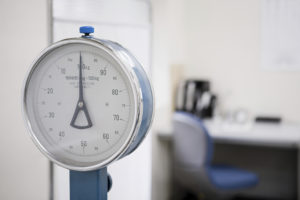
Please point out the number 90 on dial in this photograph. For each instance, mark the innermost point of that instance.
(87, 102)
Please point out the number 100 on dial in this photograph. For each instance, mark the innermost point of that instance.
(87, 102)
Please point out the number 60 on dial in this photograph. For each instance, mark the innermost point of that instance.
(87, 102)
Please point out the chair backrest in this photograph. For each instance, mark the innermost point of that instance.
(193, 147)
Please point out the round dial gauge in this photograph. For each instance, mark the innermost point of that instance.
(83, 104)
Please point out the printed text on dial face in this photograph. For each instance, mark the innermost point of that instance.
(106, 95)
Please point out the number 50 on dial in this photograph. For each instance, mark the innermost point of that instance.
(87, 102)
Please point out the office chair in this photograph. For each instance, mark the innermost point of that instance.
(193, 153)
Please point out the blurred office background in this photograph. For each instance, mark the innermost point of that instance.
(244, 53)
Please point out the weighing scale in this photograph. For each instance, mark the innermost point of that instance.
(87, 102)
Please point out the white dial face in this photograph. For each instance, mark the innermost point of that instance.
(80, 105)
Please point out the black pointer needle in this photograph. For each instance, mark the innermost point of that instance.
(81, 106)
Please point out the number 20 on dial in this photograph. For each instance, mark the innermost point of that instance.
(87, 102)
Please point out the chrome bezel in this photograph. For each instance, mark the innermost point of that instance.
(134, 83)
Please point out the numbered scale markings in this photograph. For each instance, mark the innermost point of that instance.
(83, 106)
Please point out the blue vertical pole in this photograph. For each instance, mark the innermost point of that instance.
(90, 185)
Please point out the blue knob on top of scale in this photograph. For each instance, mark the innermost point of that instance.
(86, 30)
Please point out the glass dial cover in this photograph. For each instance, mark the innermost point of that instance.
(81, 105)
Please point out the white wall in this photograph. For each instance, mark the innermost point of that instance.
(219, 41)
(126, 22)
(224, 45)
(24, 33)
(169, 48)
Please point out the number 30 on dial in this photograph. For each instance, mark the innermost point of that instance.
(87, 102)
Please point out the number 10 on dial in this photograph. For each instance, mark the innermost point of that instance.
(87, 102)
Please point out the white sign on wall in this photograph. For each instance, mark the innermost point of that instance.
(281, 35)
